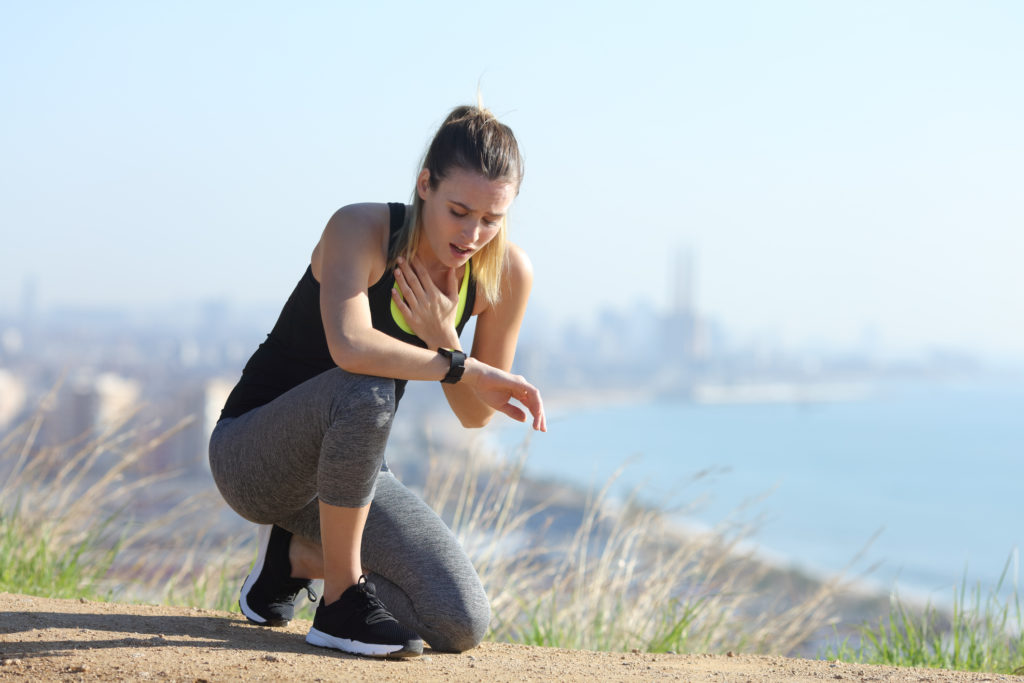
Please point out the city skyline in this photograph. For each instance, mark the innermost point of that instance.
(841, 171)
(541, 323)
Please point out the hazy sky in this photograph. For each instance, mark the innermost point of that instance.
(836, 166)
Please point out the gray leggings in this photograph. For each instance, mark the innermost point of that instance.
(324, 440)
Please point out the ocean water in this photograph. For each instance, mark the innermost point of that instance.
(926, 479)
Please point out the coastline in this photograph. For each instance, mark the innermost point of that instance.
(837, 468)
(559, 510)
(713, 393)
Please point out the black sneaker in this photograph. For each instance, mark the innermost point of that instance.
(359, 623)
(268, 595)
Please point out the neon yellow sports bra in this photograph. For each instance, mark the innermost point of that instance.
(399, 319)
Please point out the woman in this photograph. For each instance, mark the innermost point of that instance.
(300, 444)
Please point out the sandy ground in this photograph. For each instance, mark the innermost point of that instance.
(45, 639)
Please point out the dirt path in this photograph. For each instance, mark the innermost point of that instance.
(44, 639)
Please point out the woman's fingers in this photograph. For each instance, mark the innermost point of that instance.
(422, 277)
(419, 289)
(533, 404)
(532, 400)
(526, 394)
(451, 285)
(429, 312)
(399, 300)
(409, 282)
(404, 292)
(512, 411)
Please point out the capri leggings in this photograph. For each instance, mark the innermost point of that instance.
(324, 440)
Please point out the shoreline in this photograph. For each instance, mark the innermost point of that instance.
(898, 433)
(714, 393)
(565, 505)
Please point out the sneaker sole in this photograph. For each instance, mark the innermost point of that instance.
(355, 647)
(257, 568)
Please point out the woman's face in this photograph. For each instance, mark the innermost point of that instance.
(461, 215)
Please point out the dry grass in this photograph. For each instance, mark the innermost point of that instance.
(624, 578)
(66, 517)
(601, 576)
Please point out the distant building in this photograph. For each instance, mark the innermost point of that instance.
(195, 410)
(89, 403)
(118, 398)
(12, 398)
(684, 343)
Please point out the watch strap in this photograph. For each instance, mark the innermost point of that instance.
(456, 365)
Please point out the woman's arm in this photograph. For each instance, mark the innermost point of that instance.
(352, 254)
(430, 311)
(351, 251)
(495, 338)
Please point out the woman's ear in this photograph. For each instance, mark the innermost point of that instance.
(423, 184)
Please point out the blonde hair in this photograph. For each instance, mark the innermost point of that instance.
(472, 139)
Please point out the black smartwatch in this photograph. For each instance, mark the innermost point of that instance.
(457, 365)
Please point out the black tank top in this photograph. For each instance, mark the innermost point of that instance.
(296, 348)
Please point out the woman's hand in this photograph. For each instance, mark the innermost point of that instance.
(497, 388)
(428, 310)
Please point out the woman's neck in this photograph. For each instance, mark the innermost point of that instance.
(438, 271)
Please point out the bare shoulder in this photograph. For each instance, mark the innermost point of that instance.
(358, 221)
(497, 328)
(355, 230)
(518, 267)
(516, 281)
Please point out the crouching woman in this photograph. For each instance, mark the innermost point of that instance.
(299, 448)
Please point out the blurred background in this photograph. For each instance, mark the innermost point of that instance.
(777, 245)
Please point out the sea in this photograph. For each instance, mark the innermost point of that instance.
(915, 487)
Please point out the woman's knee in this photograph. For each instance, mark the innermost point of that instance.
(363, 401)
(461, 631)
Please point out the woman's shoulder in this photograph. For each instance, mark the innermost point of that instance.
(516, 278)
(356, 230)
(518, 266)
(367, 216)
